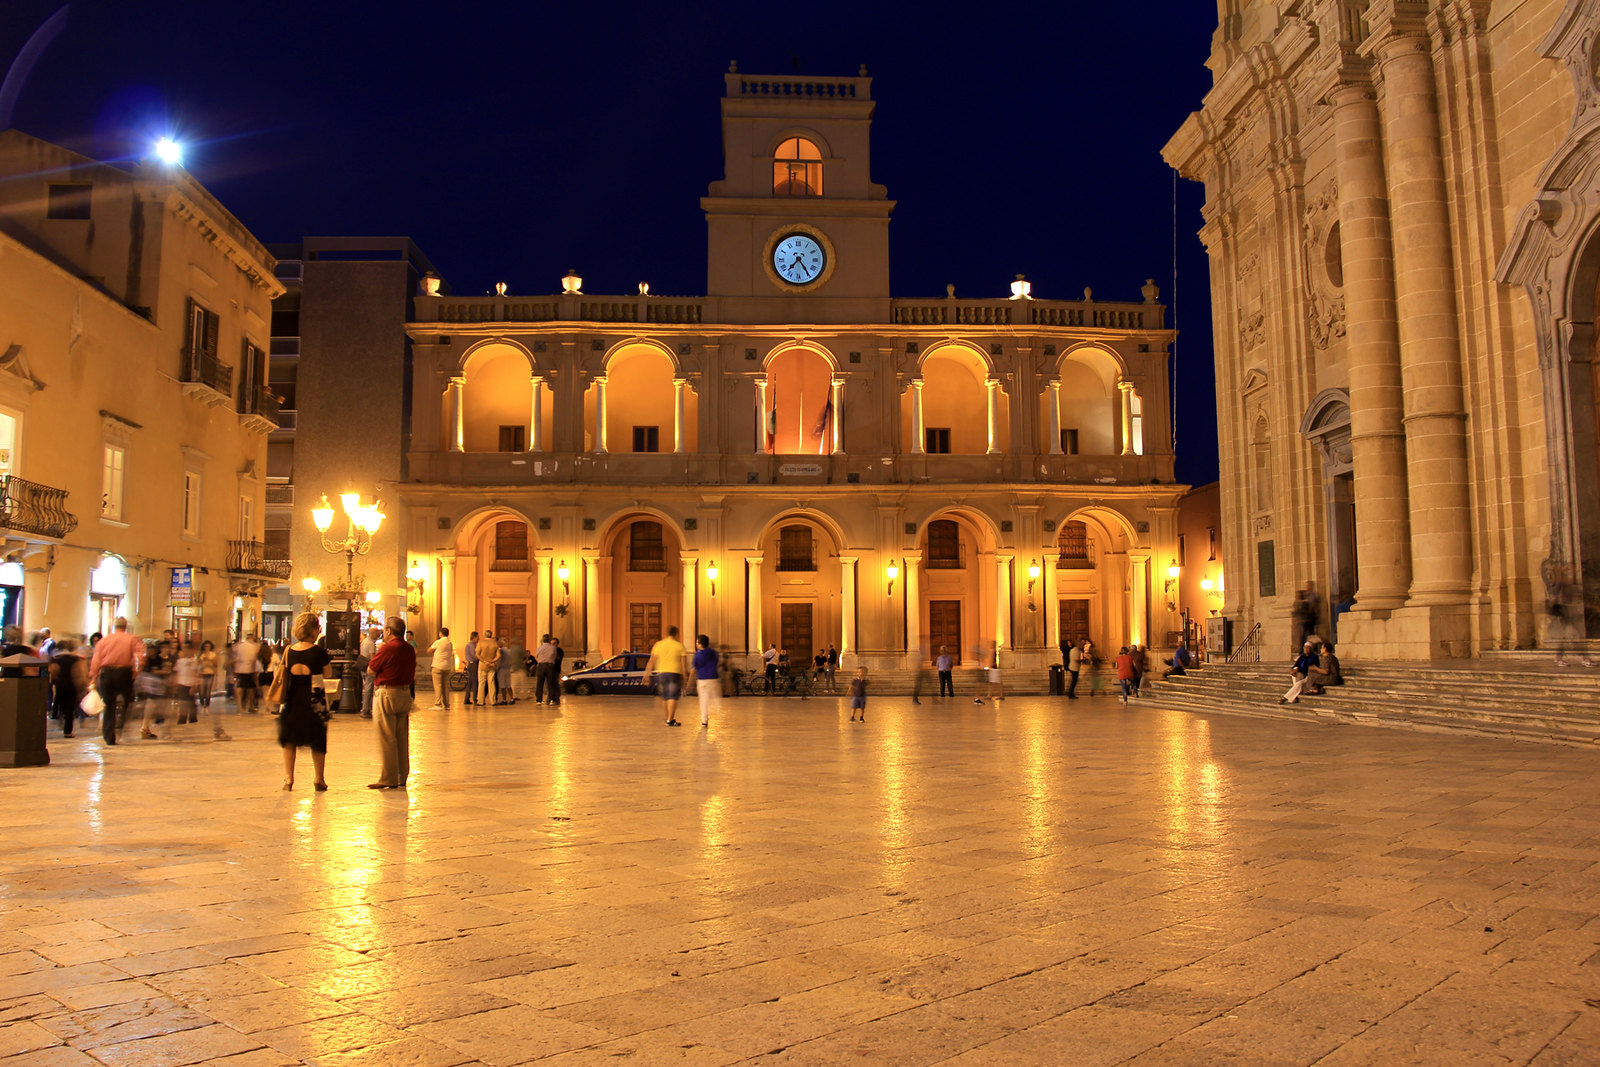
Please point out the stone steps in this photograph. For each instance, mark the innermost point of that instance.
(1539, 705)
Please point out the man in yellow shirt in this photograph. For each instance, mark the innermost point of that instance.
(666, 664)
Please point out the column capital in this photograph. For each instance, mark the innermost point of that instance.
(913, 557)
(848, 561)
(689, 558)
(458, 380)
(1138, 555)
(599, 379)
(1004, 557)
(756, 560)
(536, 379)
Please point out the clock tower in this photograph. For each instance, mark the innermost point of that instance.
(796, 229)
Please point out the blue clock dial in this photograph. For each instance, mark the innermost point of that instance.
(799, 259)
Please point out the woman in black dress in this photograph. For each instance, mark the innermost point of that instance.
(70, 681)
(307, 664)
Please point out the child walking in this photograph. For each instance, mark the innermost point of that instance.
(858, 695)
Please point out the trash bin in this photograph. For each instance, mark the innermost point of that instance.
(1058, 680)
(22, 722)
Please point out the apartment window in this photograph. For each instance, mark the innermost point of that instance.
(191, 504)
(10, 435)
(510, 546)
(111, 482)
(944, 545)
(512, 438)
(253, 364)
(286, 322)
(282, 381)
(1069, 442)
(247, 525)
(68, 200)
(647, 439)
(646, 549)
(936, 440)
(797, 549)
(797, 169)
(200, 352)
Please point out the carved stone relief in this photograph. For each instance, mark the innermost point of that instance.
(1324, 267)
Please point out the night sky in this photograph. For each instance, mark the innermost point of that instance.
(512, 141)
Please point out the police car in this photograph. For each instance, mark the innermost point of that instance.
(622, 673)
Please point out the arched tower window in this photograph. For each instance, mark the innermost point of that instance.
(797, 169)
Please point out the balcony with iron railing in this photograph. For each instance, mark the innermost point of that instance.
(208, 378)
(30, 508)
(252, 557)
(258, 409)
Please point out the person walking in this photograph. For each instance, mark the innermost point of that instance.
(155, 684)
(210, 665)
(1125, 672)
(469, 661)
(369, 648)
(858, 696)
(770, 659)
(555, 670)
(116, 663)
(69, 682)
(945, 664)
(488, 658)
(707, 681)
(186, 684)
(502, 674)
(393, 667)
(306, 667)
(247, 668)
(545, 681)
(833, 666)
(444, 661)
(666, 666)
(1074, 663)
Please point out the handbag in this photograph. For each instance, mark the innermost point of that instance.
(275, 688)
(92, 703)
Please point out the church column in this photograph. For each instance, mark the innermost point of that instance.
(600, 413)
(691, 624)
(541, 599)
(916, 415)
(761, 415)
(1430, 344)
(993, 387)
(847, 605)
(457, 413)
(591, 606)
(447, 595)
(536, 416)
(678, 386)
(913, 595)
(1139, 587)
(1047, 602)
(1125, 396)
(1002, 601)
(838, 416)
(752, 605)
(1055, 417)
(1372, 346)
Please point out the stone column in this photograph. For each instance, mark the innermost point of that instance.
(600, 413)
(678, 386)
(457, 424)
(1372, 347)
(916, 415)
(1125, 393)
(541, 600)
(1047, 603)
(752, 605)
(536, 416)
(1139, 594)
(1055, 418)
(1002, 601)
(992, 386)
(1430, 343)
(761, 415)
(838, 416)
(591, 607)
(847, 605)
(447, 596)
(691, 624)
(913, 595)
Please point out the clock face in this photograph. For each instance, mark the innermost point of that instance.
(799, 259)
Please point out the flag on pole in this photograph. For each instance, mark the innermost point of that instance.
(772, 428)
(820, 430)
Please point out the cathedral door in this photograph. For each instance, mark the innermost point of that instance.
(1074, 620)
(644, 626)
(794, 626)
(511, 623)
(944, 628)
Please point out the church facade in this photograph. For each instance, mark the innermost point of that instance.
(1401, 215)
(797, 458)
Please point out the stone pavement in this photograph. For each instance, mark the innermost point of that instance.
(1041, 883)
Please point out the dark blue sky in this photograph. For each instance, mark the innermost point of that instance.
(515, 140)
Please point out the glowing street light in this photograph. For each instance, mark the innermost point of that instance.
(169, 152)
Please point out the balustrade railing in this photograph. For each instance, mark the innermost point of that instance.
(29, 507)
(260, 401)
(210, 372)
(251, 557)
(1248, 650)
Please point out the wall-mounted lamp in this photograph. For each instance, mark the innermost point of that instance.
(416, 579)
(564, 573)
(1034, 570)
(1213, 589)
(1173, 571)
(312, 586)
(893, 572)
(572, 283)
(711, 576)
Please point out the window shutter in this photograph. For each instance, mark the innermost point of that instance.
(212, 321)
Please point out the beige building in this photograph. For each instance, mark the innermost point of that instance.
(797, 457)
(133, 399)
(1400, 213)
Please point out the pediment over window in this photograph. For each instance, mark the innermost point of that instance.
(1255, 378)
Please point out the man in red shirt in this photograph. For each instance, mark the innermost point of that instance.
(393, 668)
(117, 658)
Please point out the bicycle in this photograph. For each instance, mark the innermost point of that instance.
(803, 682)
(746, 683)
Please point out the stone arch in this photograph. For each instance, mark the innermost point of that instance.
(1326, 425)
(494, 582)
(954, 399)
(802, 581)
(496, 397)
(1093, 591)
(641, 395)
(799, 398)
(1088, 410)
(641, 588)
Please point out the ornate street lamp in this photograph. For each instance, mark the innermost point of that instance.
(362, 522)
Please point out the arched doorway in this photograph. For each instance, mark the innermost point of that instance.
(646, 593)
(640, 410)
(953, 401)
(1093, 593)
(1327, 426)
(497, 401)
(956, 594)
(799, 402)
(800, 570)
(494, 577)
(1087, 405)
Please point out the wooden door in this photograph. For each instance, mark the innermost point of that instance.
(1074, 620)
(644, 626)
(795, 628)
(944, 628)
(511, 623)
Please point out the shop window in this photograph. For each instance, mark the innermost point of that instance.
(646, 549)
(68, 200)
(510, 546)
(944, 545)
(936, 440)
(512, 438)
(647, 439)
(797, 549)
(111, 482)
(797, 169)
